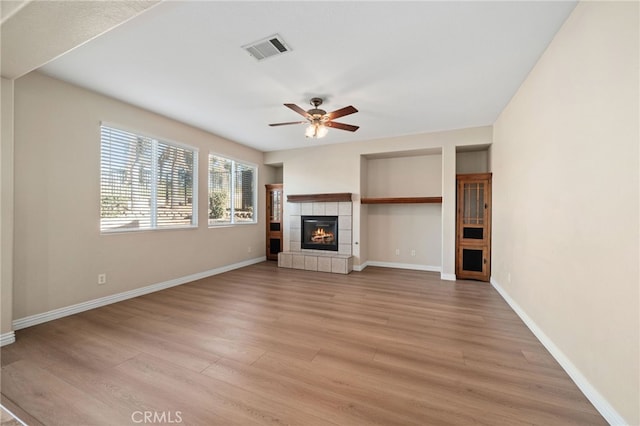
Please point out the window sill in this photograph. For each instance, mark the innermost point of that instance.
(134, 230)
(228, 225)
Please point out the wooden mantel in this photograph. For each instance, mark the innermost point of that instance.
(316, 198)
(401, 200)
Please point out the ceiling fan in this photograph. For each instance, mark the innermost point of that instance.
(319, 119)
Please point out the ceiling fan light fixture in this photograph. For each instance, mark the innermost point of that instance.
(316, 130)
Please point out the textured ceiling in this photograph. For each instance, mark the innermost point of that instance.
(409, 67)
(34, 32)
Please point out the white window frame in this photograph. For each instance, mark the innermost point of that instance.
(232, 221)
(154, 187)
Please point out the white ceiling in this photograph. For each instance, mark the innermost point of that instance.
(409, 67)
(34, 32)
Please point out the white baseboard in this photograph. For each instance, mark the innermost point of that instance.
(396, 265)
(107, 300)
(598, 401)
(7, 338)
(443, 276)
(360, 267)
(13, 415)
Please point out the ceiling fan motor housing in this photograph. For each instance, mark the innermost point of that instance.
(316, 112)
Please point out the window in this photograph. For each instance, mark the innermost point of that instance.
(232, 191)
(145, 183)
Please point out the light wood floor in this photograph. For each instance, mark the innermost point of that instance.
(263, 345)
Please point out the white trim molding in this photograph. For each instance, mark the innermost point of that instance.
(592, 394)
(107, 300)
(411, 266)
(361, 267)
(397, 265)
(447, 277)
(7, 338)
(13, 415)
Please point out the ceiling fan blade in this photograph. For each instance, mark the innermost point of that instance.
(297, 109)
(286, 124)
(342, 126)
(342, 112)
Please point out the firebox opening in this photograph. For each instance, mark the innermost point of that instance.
(320, 232)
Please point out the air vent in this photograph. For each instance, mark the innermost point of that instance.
(265, 48)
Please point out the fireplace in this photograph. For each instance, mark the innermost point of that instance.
(334, 215)
(319, 232)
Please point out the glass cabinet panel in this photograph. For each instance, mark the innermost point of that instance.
(473, 204)
(276, 201)
(274, 220)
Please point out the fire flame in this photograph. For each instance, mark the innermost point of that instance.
(320, 236)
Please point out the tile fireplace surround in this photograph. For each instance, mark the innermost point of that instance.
(340, 262)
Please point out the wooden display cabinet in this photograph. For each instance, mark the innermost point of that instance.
(473, 226)
(274, 220)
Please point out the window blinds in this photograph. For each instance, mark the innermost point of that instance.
(145, 183)
(232, 194)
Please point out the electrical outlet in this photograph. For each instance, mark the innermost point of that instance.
(413, 253)
(397, 252)
(102, 279)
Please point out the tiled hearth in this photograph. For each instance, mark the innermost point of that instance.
(340, 262)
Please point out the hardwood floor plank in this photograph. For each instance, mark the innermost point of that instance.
(53, 401)
(321, 402)
(24, 417)
(375, 392)
(201, 390)
(187, 356)
(251, 342)
(83, 345)
(428, 396)
(480, 376)
(461, 385)
(134, 395)
(539, 357)
(264, 345)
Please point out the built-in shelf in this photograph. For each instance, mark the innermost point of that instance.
(316, 198)
(402, 200)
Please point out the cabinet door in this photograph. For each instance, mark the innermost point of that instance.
(473, 226)
(473, 262)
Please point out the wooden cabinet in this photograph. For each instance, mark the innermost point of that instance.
(473, 226)
(274, 220)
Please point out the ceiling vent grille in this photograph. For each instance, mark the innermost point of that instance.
(265, 48)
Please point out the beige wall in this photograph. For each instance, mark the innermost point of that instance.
(565, 199)
(344, 175)
(363, 230)
(6, 206)
(414, 230)
(472, 162)
(448, 212)
(59, 250)
(277, 177)
(414, 176)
